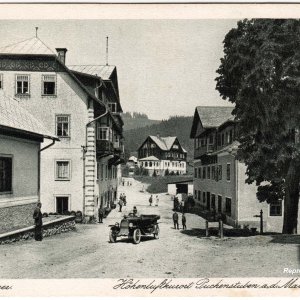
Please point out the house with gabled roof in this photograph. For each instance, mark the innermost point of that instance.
(162, 155)
(21, 136)
(219, 177)
(75, 106)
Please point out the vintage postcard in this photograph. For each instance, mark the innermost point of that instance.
(149, 150)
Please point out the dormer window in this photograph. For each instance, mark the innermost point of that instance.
(113, 107)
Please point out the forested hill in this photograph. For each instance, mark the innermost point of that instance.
(174, 126)
(136, 120)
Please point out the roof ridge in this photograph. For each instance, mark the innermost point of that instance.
(46, 46)
(9, 45)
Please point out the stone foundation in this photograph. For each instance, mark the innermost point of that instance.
(15, 217)
(53, 227)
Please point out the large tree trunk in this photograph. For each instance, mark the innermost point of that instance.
(290, 220)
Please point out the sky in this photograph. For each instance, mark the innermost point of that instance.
(165, 67)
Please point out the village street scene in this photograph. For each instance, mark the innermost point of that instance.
(148, 153)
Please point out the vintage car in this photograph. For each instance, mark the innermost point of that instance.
(134, 227)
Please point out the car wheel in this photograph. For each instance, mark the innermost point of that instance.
(137, 236)
(112, 237)
(156, 232)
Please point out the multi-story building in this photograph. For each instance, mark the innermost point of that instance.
(219, 177)
(20, 137)
(82, 109)
(162, 155)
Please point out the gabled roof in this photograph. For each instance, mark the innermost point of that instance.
(149, 158)
(103, 71)
(32, 46)
(210, 116)
(164, 143)
(14, 116)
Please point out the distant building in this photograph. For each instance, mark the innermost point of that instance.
(181, 187)
(219, 178)
(162, 155)
(20, 138)
(80, 105)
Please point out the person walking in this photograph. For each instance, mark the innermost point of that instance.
(175, 220)
(124, 199)
(150, 200)
(100, 214)
(183, 220)
(38, 221)
(120, 203)
(157, 200)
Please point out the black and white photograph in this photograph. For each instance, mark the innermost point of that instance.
(157, 153)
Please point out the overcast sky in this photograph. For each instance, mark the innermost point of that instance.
(165, 67)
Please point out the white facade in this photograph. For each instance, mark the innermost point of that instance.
(160, 166)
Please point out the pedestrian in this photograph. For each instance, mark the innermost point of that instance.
(38, 221)
(134, 211)
(183, 220)
(123, 182)
(100, 214)
(157, 200)
(175, 220)
(124, 199)
(150, 200)
(120, 203)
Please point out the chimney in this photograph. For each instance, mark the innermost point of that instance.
(61, 53)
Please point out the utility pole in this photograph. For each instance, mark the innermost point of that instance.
(107, 50)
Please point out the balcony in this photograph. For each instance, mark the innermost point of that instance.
(204, 150)
(104, 147)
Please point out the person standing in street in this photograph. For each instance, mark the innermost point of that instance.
(175, 220)
(124, 199)
(38, 221)
(120, 203)
(100, 214)
(183, 220)
(157, 200)
(150, 200)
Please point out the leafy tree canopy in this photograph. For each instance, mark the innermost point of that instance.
(260, 74)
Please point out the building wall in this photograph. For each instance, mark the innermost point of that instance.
(161, 166)
(70, 100)
(172, 189)
(108, 181)
(223, 187)
(16, 209)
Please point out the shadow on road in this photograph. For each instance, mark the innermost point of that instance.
(128, 240)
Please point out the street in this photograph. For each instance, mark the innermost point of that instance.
(87, 253)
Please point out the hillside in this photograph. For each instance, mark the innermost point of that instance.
(136, 120)
(175, 126)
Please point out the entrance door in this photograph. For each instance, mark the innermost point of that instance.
(62, 204)
(208, 200)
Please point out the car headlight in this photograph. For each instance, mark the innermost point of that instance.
(130, 225)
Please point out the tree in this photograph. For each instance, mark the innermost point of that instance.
(260, 74)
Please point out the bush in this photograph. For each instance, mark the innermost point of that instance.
(167, 172)
(154, 173)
